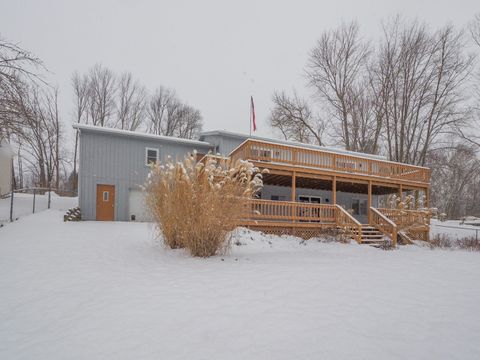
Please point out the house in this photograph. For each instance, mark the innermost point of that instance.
(308, 188)
(6, 156)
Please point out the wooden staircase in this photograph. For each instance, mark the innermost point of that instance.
(370, 235)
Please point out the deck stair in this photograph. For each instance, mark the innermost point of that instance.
(371, 235)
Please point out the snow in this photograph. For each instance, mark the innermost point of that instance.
(137, 134)
(23, 204)
(103, 290)
(453, 229)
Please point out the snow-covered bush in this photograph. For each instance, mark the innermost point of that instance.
(197, 204)
(444, 241)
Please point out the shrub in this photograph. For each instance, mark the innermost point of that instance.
(444, 242)
(197, 204)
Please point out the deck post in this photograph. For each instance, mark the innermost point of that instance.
(294, 195)
(400, 192)
(369, 201)
(427, 198)
(334, 190)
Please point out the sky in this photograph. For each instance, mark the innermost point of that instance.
(216, 54)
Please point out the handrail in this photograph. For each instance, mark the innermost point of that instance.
(289, 211)
(348, 215)
(323, 159)
(411, 222)
(384, 224)
(406, 218)
(349, 223)
(383, 216)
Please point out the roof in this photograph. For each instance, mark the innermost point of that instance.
(128, 133)
(291, 143)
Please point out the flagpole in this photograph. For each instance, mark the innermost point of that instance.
(250, 117)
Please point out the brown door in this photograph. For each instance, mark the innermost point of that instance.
(105, 202)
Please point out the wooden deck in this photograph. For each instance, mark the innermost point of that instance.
(313, 168)
(315, 160)
(310, 220)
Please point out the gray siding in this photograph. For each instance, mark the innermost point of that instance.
(224, 144)
(119, 160)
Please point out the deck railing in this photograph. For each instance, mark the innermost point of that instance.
(323, 159)
(407, 218)
(287, 211)
(284, 213)
(384, 224)
(346, 222)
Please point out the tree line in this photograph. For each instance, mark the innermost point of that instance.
(103, 98)
(412, 96)
(30, 118)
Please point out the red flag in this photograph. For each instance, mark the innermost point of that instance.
(252, 113)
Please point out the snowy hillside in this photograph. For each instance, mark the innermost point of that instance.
(109, 291)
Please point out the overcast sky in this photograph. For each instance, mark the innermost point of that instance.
(214, 53)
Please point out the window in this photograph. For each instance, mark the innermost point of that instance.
(106, 195)
(363, 207)
(151, 156)
(356, 207)
(310, 199)
(278, 198)
(359, 207)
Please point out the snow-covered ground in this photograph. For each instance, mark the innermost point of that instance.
(453, 229)
(23, 204)
(92, 290)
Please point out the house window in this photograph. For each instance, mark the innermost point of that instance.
(310, 199)
(359, 207)
(363, 207)
(278, 198)
(151, 156)
(106, 195)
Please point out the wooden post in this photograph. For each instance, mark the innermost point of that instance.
(294, 189)
(427, 198)
(400, 192)
(334, 190)
(369, 203)
(294, 195)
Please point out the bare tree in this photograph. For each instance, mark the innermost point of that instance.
(81, 88)
(39, 132)
(168, 116)
(16, 65)
(188, 120)
(293, 117)
(101, 104)
(472, 135)
(421, 77)
(474, 28)
(334, 68)
(455, 180)
(157, 109)
(131, 103)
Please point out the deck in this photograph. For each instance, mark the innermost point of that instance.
(316, 168)
(310, 220)
(326, 162)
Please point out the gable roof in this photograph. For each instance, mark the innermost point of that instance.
(230, 134)
(128, 133)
